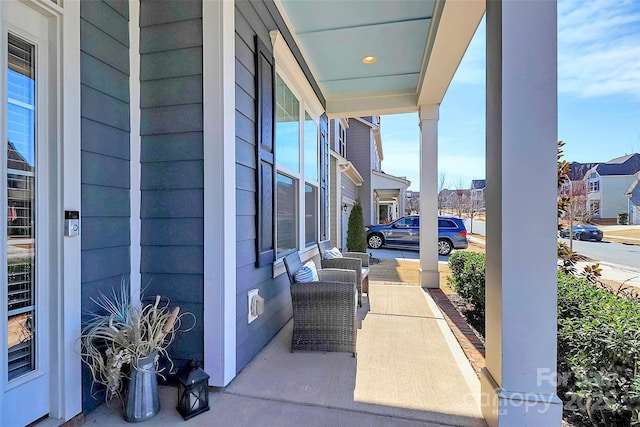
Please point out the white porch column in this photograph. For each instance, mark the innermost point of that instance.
(429, 276)
(219, 196)
(518, 386)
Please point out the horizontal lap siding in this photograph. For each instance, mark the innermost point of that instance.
(251, 338)
(359, 152)
(172, 183)
(105, 154)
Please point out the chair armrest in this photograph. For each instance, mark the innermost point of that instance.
(337, 275)
(364, 257)
(343, 263)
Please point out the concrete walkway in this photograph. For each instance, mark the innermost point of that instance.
(409, 371)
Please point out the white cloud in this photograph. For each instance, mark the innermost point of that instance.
(599, 47)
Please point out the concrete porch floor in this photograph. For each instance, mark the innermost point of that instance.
(409, 371)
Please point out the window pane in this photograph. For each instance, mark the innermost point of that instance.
(310, 214)
(21, 172)
(287, 214)
(311, 156)
(287, 127)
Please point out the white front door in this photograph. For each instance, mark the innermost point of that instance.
(25, 328)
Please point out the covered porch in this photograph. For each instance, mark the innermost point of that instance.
(409, 371)
(518, 386)
(389, 196)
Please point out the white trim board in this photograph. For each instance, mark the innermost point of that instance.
(135, 141)
(219, 192)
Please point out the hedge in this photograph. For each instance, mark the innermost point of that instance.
(598, 344)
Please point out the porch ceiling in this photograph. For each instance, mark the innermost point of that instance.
(418, 45)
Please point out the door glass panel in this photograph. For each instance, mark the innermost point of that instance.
(21, 131)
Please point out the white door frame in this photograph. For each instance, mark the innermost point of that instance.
(63, 173)
(62, 313)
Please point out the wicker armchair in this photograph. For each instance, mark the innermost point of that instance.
(356, 261)
(324, 312)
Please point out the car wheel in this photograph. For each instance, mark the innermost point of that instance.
(375, 241)
(444, 247)
(576, 236)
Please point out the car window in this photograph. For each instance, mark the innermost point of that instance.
(403, 223)
(415, 222)
(445, 223)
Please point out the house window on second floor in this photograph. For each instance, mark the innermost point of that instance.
(342, 140)
(594, 185)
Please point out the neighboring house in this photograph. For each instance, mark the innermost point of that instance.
(356, 141)
(606, 185)
(477, 194)
(389, 193)
(633, 200)
(574, 185)
(344, 183)
(455, 201)
(382, 196)
(192, 140)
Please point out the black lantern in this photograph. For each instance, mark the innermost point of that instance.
(193, 391)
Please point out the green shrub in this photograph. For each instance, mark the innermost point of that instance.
(598, 352)
(598, 343)
(468, 277)
(356, 237)
(623, 218)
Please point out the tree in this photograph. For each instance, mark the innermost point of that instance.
(567, 197)
(356, 237)
(572, 195)
(413, 203)
(441, 181)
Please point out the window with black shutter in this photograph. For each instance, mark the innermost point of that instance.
(265, 173)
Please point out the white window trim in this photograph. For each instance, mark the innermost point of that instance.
(297, 81)
(289, 71)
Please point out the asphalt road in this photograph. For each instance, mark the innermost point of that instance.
(616, 253)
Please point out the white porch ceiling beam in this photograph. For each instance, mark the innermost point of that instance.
(339, 107)
(458, 24)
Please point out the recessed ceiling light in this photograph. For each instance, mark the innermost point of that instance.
(369, 59)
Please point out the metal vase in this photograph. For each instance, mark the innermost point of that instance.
(143, 401)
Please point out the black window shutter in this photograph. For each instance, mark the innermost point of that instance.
(324, 178)
(265, 160)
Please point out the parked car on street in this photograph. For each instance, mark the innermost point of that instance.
(583, 232)
(405, 232)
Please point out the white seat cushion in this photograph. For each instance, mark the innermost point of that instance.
(307, 273)
(332, 253)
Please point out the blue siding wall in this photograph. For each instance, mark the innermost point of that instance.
(172, 184)
(255, 18)
(252, 18)
(105, 154)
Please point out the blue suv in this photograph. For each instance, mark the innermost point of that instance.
(405, 232)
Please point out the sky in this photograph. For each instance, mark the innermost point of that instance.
(598, 97)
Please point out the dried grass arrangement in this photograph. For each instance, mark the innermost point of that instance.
(122, 333)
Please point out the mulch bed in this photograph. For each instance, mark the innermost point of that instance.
(374, 261)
